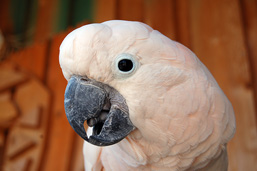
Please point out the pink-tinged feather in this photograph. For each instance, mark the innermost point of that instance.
(183, 119)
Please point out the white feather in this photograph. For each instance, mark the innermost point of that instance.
(183, 118)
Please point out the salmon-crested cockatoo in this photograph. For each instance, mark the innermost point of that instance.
(149, 102)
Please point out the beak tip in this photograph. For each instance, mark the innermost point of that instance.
(79, 129)
(101, 141)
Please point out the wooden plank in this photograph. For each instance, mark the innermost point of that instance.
(25, 140)
(130, 10)
(9, 76)
(249, 11)
(160, 16)
(8, 113)
(2, 140)
(218, 40)
(5, 96)
(182, 22)
(61, 135)
(105, 10)
(46, 17)
(32, 59)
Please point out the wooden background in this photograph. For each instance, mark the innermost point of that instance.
(34, 131)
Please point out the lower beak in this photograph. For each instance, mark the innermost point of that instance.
(85, 101)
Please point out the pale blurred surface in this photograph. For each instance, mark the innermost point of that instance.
(34, 131)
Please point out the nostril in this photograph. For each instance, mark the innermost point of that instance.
(84, 79)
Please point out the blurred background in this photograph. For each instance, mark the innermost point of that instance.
(34, 131)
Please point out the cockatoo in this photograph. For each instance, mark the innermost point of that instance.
(149, 102)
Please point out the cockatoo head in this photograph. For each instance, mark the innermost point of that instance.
(124, 77)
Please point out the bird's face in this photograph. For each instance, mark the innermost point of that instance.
(117, 78)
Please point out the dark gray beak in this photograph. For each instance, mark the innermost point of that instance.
(101, 106)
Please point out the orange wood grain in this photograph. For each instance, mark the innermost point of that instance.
(161, 16)
(105, 10)
(218, 40)
(24, 105)
(249, 12)
(9, 76)
(8, 113)
(26, 138)
(130, 10)
(182, 22)
(46, 16)
(32, 59)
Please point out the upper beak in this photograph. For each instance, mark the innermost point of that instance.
(101, 106)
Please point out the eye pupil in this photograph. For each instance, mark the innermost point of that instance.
(125, 65)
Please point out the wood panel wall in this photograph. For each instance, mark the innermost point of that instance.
(34, 131)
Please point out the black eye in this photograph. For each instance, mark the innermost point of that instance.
(125, 65)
